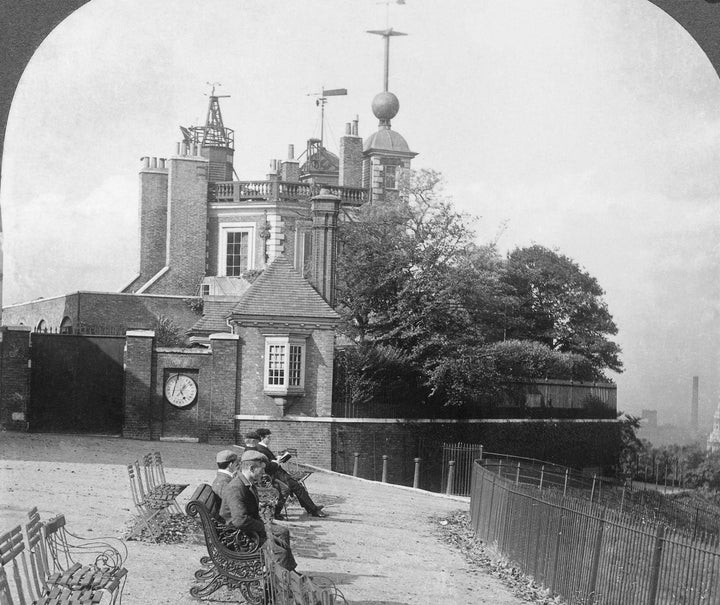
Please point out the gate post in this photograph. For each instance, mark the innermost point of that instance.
(451, 478)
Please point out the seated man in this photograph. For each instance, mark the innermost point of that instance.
(285, 483)
(241, 508)
(227, 463)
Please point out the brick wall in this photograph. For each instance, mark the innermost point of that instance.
(581, 444)
(350, 153)
(317, 400)
(153, 221)
(149, 416)
(310, 438)
(187, 226)
(103, 309)
(139, 417)
(14, 378)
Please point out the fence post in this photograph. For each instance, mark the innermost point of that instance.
(517, 474)
(596, 557)
(451, 478)
(592, 491)
(416, 478)
(500, 467)
(542, 476)
(567, 470)
(481, 452)
(557, 549)
(655, 565)
(384, 468)
(356, 463)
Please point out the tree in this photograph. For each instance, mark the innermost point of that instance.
(413, 280)
(561, 305)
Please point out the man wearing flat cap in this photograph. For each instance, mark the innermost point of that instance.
(227, 463)
(240, 507)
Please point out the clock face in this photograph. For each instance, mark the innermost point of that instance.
(180, 390)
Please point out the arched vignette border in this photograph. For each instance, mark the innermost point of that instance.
(24, 24)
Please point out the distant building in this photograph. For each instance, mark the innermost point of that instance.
(650, 418)
(713, 440)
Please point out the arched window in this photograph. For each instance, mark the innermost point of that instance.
(66, 326)
(41, 326)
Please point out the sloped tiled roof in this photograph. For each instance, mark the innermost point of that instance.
(215, 314)
(280, 291)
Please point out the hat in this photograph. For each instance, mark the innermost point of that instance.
(252, 455)
(225, 456)
(252, 435)
(262, 433)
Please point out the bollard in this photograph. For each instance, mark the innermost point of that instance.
(416, 478)
(356, 463)
(451, 478)
(384, 471)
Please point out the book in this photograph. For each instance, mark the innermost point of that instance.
(284, 457)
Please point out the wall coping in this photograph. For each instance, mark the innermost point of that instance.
(16, 328)
(329, 420)
(140, 334)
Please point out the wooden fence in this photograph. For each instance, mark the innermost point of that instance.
(589, 553)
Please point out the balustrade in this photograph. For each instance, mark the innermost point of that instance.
(241, 191)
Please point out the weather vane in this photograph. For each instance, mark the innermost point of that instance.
(320, 102)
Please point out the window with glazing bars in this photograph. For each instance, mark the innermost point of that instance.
(276, 365)
(236, 260)
(294, 366)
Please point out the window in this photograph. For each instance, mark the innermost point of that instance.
(284, 364)
(206, 290)
(236, 249)
(390, 177)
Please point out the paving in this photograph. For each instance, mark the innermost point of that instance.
(378, 542)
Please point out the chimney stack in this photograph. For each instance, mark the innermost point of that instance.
(325, 209)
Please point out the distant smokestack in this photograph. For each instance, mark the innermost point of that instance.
(694, 408)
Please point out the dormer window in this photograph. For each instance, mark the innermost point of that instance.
(285, 365)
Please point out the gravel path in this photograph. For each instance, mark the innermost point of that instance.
(379, 542)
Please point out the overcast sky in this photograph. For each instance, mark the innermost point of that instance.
(584, 125)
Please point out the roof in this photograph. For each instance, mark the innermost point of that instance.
(215, 314)
(386, 139)
(280, 291)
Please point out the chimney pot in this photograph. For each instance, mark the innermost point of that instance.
(291, 151)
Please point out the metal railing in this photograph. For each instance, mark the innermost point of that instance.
(590, 553)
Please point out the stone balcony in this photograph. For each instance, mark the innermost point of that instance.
(279, 191)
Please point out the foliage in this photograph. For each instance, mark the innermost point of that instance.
(630, 446)
(195, 303)
(412, 280)
(167, 333)
(561, 305)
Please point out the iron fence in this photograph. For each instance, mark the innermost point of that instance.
(590, 553)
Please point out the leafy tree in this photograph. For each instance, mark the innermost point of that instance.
(561, 305)
(167, 333)
(412, 280)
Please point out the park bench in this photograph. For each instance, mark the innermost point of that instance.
(42, 569)
(236, 560)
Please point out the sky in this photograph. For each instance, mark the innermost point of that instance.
(588, 127)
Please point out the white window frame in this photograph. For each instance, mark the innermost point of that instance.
(225, 229)
(286, 342)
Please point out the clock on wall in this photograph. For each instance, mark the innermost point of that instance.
(180, 390)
